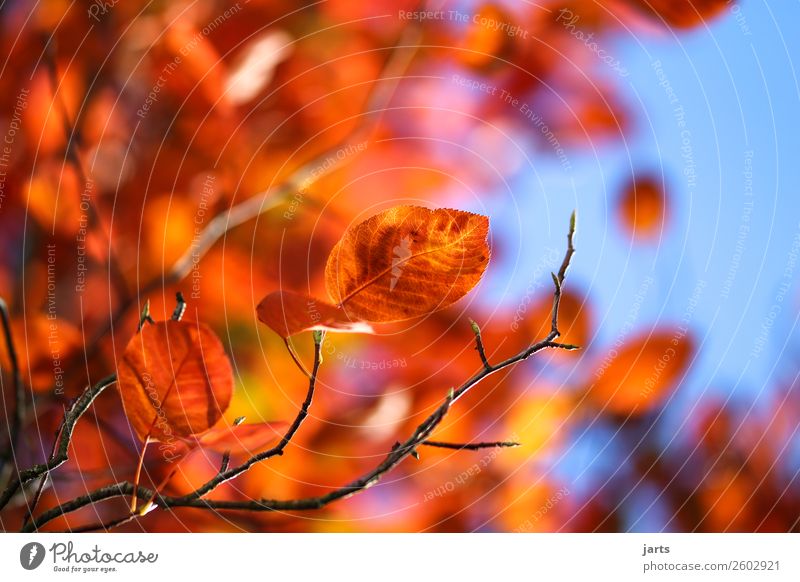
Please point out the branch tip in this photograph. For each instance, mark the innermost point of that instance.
(180, 307)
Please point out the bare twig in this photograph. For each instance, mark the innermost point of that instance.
(278, 449)
(398, 453)
(104, 526)
(180, 307)
(558, 280)
(145, 317)
(43, 479)
(295, 359)
(471, 446)
(123, 489)
(479, 344)
(19, 390)
(71, 417)
(562, 272)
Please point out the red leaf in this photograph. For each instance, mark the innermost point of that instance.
(289, 313)
(640, 375)
(245, 439)
(175, 380)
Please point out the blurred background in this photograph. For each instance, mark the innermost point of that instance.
(130, 129)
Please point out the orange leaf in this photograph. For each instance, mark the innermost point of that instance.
(175, 380)
(406, 262)
(637, 377)
(487, 43)
(643, 207)
(245, 439)
(288, 313)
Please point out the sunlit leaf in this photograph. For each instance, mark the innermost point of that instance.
(637, 377)
(175, 380)
(244, 439)
(288, 313)
(406, 262)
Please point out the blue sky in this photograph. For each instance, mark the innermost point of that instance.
(732, 236)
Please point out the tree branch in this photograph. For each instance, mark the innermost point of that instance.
(398, 453)
(471, 446)
(60, 456)
(19, 390)
(479, 344)
(307, 174)
(278, 449)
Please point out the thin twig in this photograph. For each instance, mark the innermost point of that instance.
(125, 488)
(479, 344)
(558, 280)
(19, 388)
(398, 453)
(43, 479)
(278, 449)
(225, 474)
(104, 526)
(471, 446)
(295, 358)
(71, 417)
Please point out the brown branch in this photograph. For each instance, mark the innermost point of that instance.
(471, 446)
(558, 280)
(104, 525)
(71, 417)
(19, 390)
(126, 488)
(398, 453)
(308, 173)
(278, 449)
(43, 479)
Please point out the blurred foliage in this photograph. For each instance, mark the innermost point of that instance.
(180, 110)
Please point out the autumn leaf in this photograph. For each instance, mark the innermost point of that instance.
(288, 313)
(49, 345)
(637, 377)
(175, 380)
(246, 439)
(406, 262)
(643, 207)
(486, 45)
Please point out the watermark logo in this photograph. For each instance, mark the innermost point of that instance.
(402, 253)
(31, 555)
